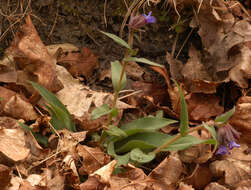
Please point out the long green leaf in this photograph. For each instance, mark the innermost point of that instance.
(223, 119)
(144, 141)
(186, 142)
(183, 113)
(60, 115)
(146, 124)
(116, 72)
(117, 39)
(142, 60)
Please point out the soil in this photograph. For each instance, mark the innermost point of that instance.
(79, 21)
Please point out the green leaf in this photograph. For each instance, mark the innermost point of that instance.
(142, 60)
(100, 111)
(116, 131)
(121, 160)
(60, 115)
(186, 142)
(145, 141)
(223, 119)
(184, 114)
(139, 156)
(116, 72)
(117, 39)
(211, 129)
(146, 124)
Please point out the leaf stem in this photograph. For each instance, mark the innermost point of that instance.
(124, 63)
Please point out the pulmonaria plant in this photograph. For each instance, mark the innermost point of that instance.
(138, 21)
(227, 137)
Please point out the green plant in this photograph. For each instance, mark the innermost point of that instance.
(60, 116)
(139, 141)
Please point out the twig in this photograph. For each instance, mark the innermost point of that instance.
(182, 46)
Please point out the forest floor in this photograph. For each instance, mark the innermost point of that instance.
(161, 134)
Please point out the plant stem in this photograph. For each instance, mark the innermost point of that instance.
(124, 63)
(175, 138)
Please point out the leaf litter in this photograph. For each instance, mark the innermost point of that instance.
(72, 160)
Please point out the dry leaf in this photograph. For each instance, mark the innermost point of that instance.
(231, 171)
(183, 186)
(215, 186)
(12, 144)
(4, 176)
(15, 105)
(242, 118)
(33, 59)
(200, 177)
(167, 173)
(93, 159)
(104, 174)
(202, 107)
(133, 178)
(79, 64)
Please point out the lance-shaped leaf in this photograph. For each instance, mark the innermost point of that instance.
(183, 113)
(142, 60)
(116, 72)
(61, 118)
(117, 39)
(223, 119)
(146, 124)
(100, 111)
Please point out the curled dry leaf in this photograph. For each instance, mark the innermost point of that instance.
(133, 178)
(166, 174)
(104, 174)
(242, 118)
(32, 58)
(4, 176)
(12, 144)
(79, 64)
(93, 159)
(15, 105)
(202, 107)
(200, 177)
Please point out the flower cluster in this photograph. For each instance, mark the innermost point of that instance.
(138, 21)
(227, 137)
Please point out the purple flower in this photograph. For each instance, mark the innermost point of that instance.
(227, 137)
(232, 145)
(222, 150)
(137, 21)
(149, 18)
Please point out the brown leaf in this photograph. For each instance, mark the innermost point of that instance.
(93, 159)
(4, 176)
(16, 106)
(12, 144)
(241, 72)
(183, 186)
(196, 77)
(79, 64)
(91, 183)
(242, 118)
(175, 67)
(33, 58)
(203, 106)
(56, 183)
(231, 171)
(133, 178)
(215, 186)
(203, 174)
(167, 173)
